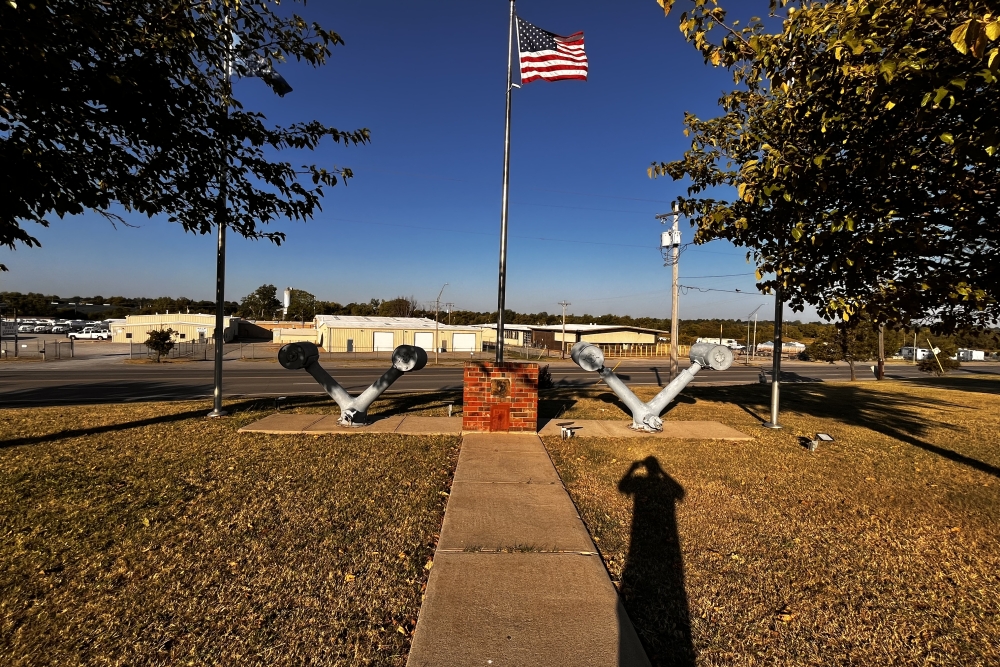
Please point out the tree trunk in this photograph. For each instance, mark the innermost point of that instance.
(850, 362)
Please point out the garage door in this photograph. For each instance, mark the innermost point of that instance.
(383, 341)
(464, 342)
(424, 339)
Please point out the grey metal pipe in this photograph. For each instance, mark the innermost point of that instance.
(353, 409)
(646, 416)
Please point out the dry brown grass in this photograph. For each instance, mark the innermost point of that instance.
(881, 548)
(146, 534)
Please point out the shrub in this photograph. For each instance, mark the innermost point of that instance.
(545, 380)
(160, 341)
(929, 365)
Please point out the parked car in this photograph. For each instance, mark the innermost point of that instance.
(43, 328)
(26, 328)
(60, 328)
(90, 333)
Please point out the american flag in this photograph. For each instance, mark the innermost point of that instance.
(545, 55)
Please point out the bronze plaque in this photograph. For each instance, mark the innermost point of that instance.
(500, 388)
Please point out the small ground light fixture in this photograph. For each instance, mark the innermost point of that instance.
(820, 437)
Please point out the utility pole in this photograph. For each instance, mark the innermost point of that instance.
(754, 316)
(562, 345)
(437, 307)
(449, 307)
(671, 241)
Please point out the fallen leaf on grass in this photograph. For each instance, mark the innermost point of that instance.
(349, 577)
(429, 565)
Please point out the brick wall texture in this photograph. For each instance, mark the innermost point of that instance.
(488, 383)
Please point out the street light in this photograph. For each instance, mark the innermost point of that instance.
(255, 66)
(437, 306)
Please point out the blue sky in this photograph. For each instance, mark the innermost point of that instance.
(424, 206)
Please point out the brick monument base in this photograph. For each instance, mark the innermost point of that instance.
(500, 397)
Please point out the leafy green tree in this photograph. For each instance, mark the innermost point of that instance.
(401, 306)
(860, 145)
(852, 341)
(130, 104)
(160, 341)
(302, 305)
(261, 304)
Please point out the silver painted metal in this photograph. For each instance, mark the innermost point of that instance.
(353, 409)
(646, 416)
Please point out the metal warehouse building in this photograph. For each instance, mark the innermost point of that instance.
(614, 340)
(188, 327)
(349, 333)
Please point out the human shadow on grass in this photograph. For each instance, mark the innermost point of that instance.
(895, 415)
(652, 586)
(124, 426)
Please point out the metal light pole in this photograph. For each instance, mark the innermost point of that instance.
(221, 216)
(779, 311)
(437, 306)
(281, 88)
(881, 352)
(562, 344)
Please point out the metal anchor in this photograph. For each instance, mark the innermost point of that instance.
(646, 416)
(353, 409)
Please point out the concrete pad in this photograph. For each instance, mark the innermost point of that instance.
(417, 425)
(518, 609)
(512, 516)
(483, 464)
(282, 423)
(685, 430)
(501, 442)
(328, 424)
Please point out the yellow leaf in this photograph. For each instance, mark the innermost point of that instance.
(400, 630)
(958, 37)
(993, 30)
(429, 565)
(947, 138)
(890, 105)
(785, 617)
(349, 577)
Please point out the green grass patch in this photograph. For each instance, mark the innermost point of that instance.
(147, 534)
(880, 548)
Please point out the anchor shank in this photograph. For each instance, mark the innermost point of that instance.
(669, 393)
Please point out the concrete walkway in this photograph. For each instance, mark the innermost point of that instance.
(286, 423)
(516, 578)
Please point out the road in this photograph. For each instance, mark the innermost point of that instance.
(106, 381)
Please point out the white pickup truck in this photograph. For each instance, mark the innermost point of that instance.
(90, 333)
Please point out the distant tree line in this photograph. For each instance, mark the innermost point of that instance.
(34, 304)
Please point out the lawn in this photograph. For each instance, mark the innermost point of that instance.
(880, 548)
(146, 534)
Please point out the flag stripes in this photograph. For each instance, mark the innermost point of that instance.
(544, 55)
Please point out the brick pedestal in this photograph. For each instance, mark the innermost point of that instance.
(500, 397)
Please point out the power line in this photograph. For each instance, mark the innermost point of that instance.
(467, 231)
(461, 180)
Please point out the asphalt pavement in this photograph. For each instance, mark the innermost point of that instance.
(109, 379)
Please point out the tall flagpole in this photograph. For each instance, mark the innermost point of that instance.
(502, 283)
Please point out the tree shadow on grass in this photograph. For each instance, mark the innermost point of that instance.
(652, 587)
(395, 404)
(959, 383)
(124, 426)
(896, 415)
